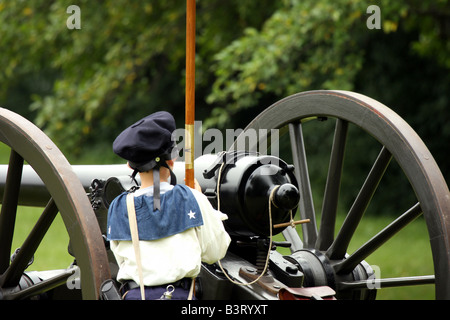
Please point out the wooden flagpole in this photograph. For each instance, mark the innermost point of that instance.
(190, 92)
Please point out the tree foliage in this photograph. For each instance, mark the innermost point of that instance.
(308, 45)
(126, 61)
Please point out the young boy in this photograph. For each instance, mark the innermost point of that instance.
(177, 226)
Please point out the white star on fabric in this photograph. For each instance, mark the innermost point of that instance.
(191, 214)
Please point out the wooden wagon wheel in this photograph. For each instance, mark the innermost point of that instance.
(320, 248)
(28, 143)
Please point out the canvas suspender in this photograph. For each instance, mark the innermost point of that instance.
(135, 239)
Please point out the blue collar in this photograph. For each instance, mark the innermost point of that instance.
(179, 212)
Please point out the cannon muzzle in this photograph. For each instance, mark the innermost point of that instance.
(240, 184)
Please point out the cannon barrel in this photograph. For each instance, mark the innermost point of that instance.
(33, 191)
(246, 182)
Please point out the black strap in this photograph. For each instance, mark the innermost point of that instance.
(156, 190)
(133, 176)
(173, 178)
(155, 165)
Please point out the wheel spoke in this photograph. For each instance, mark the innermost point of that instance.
(9, 207)
(292, 237)
(13, 274)
(331, 196)
(378, 240)
(387, 282)
(302, 174)
(339, 247)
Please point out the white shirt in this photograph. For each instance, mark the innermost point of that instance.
(173, 258)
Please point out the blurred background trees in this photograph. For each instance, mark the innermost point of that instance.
(82, 87)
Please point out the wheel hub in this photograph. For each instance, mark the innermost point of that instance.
(318, 270)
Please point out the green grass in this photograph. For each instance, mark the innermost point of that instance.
(52, 252)
(406, 254)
